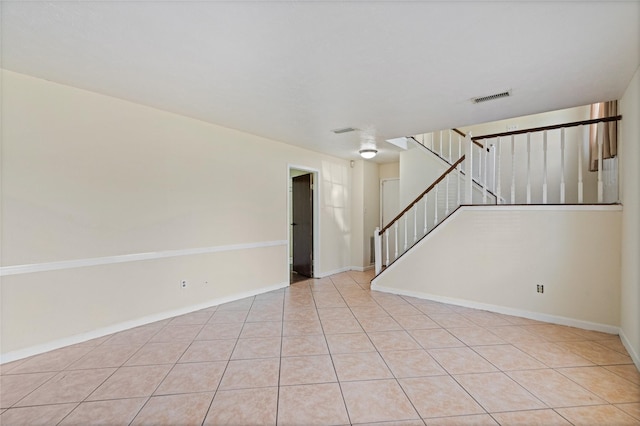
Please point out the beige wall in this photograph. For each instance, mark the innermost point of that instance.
(365, 214)
(493, 258)
(418, 169)
(86, 176)
(389, 170)
(630, 195)
(357, 212)
(530, 121)
(371, 208)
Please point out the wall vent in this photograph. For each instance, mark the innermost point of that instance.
(344, 130)
(491, 97)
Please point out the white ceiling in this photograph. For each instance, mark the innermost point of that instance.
(294, 70)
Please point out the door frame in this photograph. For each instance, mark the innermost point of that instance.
(315, 210)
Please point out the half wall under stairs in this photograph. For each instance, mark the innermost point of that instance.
(494, 258)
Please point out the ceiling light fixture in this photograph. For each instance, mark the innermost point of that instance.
(368, 154)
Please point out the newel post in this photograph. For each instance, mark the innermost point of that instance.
(377, 244)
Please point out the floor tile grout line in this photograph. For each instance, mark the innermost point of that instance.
(449, 374)
(159, 383)
(377, 351)
(129, 357)
(581, 385)
(454, 378)
(69, 413)
(42, 405)
(93, 391)
(546, 364)
(560, 414)
(139, 409)
(509, 377)
(55, 373)
(333, 364)
(500, 371)
(617, 374)
(226, 367)
(280, 362)
(600, 344)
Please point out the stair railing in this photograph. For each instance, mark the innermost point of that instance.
(555, 159)
(421, 216)
(545, 182)
(446, 144)
(561, 158)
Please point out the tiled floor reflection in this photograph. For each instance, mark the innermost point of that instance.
(330, 352)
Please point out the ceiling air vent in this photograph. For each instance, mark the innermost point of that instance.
(491, 97)
(344, 130)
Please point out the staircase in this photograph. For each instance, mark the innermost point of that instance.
(537, 166)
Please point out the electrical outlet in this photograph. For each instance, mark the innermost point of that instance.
(183, 284)
(540, 288)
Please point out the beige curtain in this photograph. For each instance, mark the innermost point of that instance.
(609, 133)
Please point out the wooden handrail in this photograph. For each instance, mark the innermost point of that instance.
(425, 192)
(461, 133)
(458, 132)
(479, 144)
(553, 127)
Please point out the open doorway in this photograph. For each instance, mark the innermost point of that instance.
(302, 224)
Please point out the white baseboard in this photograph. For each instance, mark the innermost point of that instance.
(101, 332)
(345, 269)
(554, 319)
(630, 349)
(362, 268)
(336, 271)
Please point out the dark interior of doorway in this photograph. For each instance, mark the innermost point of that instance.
(302, 226)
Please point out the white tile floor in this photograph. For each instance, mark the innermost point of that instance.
(330, 352)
